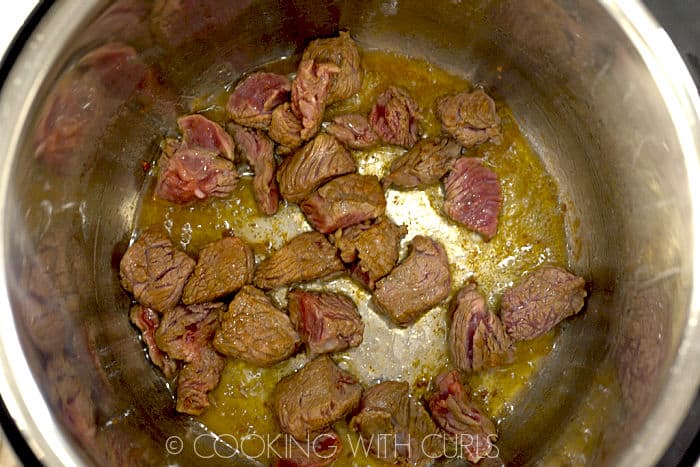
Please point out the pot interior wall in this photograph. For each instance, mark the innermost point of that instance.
(581, 94)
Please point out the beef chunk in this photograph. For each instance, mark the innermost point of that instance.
(148, 321)
(372, 249)
(395, 117)
(189, 174)
(196, 379)
(545, 297)
(345, 201)
(224, 266)
(259, 151)
(200, 132)
(154, 271)
(255, 331)
(306, 257)
(395, 427)
(454, 412)
(353, 130)
(317, 162)
(327, 322)
(309, 94)
(285, 129)
(310, 400)
(320, 451)
(255, 97)
(427, 162)
(473, 196)
(420, 282)
(469, 117)
(184, 331)
(343, 52)
(477, 338)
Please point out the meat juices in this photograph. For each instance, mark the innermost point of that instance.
(420, 282)
(185, 331)
(540, 301)
(306, 257)
(425, 163)
(353, 130)
(196, 379)
(344, 201)
(200, 132)
(453, 411)
(255, 331)
(322, 450)
(255, 97)
(308, 401)
(154, 271)
(469, 117)
(148, 321)
(477, 338)
(318, 161)
(327, 322)
(395, 118)
(309, 93)
(473, 197)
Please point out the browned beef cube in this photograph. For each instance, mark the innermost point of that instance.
(154, 271)
(196, 379)
(148, 321)
(395, 427)
(395, 117)
(308, 401)
(254, 98)
(544, 298)
(454, 412)
(314, 164)
(184, 331)
(420, 282)
(200, 132)
(259, 151)
(309, 93)
(344, 201)
(306, 257)
(255, 331)
(223, 267)
(343, 52)
(477, 338)
(354, 131)
(285, 129)
(327, 322)
(473, 196)
(470, 117)
(425, 163)
(373, 250)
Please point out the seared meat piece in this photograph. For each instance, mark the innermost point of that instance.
(188, 174)
(310, 400)
(285, 129)
(545, 297)
(314, 164)
(320, 451)
(477, 338)
(309, 94)
(454, 412)
(344, 201)
(395, 117)
(259, 151)
(255, 97)
(343, 52)
(373, 248)
(224, 266)
(306, 257)
(426, 162)
(255, 331)
(154, 271)
(395, 427)
(148, 321)
(200, 132)
(196, 379)
(420, 282)
(327, 322)
(184, 331)
(353, 130)
(473, 196)
(469, 117)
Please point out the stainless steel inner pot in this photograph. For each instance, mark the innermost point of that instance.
(599, 91)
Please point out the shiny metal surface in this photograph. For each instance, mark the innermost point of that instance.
(599, 91)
